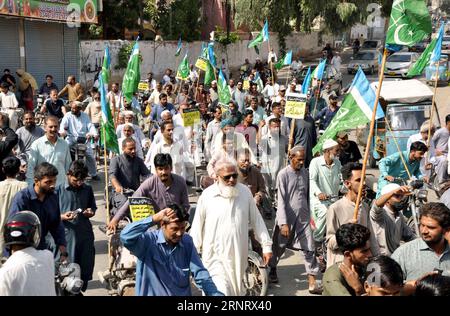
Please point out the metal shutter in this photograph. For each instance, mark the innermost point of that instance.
(9, 48)
(44, 51)
(71, 52)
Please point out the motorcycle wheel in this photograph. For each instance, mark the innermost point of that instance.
(256, 278)
(128, 291)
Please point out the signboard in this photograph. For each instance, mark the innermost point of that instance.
(140, 208)
(295, 106)
(71, 11)
(143, 86)
(246, 85)
(201, 64)
(190, 117)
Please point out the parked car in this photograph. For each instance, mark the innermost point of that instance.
(443, 77)
(371, 44)
(446, 45)
(398, 64)
(418, 47)
(367, 60)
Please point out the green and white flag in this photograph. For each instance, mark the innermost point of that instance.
(209, 73)
(108, 135)
(132, 74)
(183, 69)
(263, 36)
(285, 61)
(356, 109)
(223, 91)
(422, 62)
(410, 23)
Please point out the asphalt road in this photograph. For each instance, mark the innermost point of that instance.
(291, 272)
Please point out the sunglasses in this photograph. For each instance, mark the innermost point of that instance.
(228, 177)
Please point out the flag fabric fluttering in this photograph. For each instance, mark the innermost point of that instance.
(320, 69)
(209, 73)
(132, 75)
(306, 81)
(356, 109)
(183, 69)
(436, 55)
(263, 36)
(410, 23)
(211, 56)
(423, 61)
(222, 88)
(108, 135)
(179, 47)
(285, 61)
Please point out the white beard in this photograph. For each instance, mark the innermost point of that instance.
(226, 191)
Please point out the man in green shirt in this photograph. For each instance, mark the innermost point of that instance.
(344, 278)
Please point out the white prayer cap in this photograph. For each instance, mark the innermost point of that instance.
(282, 88)
(213, 82)
(128, 113)
(163, 113)
(426, 127)
(389, 188)
(128, 125)
(329, 143)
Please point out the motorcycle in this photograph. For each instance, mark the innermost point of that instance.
(39, 117)
(79, 149)
(67, 279)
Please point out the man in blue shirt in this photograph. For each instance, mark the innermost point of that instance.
(392, 167)
(327, 114)
(42, 200)
(159, 108)
(167, 256)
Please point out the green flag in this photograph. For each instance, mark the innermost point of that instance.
(132, 75)
(183, 69)
(422, 62)
(280, 63)
(223, 91)
(263, 36)
(409, 24)
(209, 73)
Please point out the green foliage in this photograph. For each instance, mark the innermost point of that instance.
(124, 56)
(345, 10)
(222, 38)
(174, 18)
(95, 31)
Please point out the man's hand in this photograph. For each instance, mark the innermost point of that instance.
(389, 178)
(426, 179)
(112, 225)
(258, 199)
(166, 216)
(119, 190)
(67, 216)
(351, 276)
(438, 153)
(284, 230)
(63, 134)
(428, 166)
(322, 197)
(88, 213)
(266, 258)
(402, 190)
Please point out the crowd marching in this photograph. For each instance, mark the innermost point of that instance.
(257, 164)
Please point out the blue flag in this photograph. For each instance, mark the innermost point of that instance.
(318, 72)
(288, 58)
(211, 57)
(306, 81)
(265, 31)
(436, 55)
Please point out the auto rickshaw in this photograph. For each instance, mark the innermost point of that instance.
(406, 104)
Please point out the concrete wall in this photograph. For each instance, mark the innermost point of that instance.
(159, 56)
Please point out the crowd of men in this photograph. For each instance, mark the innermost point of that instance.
(257, 167)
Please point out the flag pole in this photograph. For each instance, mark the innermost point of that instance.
(271, 66)
(288, 76)
(196, 84)
(432, 112)
(317, 98)
(107, 196)
(369, 138)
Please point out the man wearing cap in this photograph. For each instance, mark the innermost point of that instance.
(327, 114)
(324, 177)
(270, 91)
(392, 166)
(349, 151)
(281, 94)
(387, 218)
(213, 92)
(78, 128)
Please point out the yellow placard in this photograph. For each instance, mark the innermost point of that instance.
(201, 64)
(140, 208)
(246, 85)
(190, 117)
(295, 106)
(143, 86)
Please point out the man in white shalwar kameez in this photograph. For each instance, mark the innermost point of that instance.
(220, 229)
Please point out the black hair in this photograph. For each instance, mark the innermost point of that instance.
(433, 285)
(43, 170)
(78, 169)
(29, 112)
(4, 84)
(437, 211)
(162, 95)
(274, 120)
(418, 146)
(11, 166)
(164, 124)
(182, 215)
(6, 70)
(162, 160)
(352, 236)
(447, 119)
(54, 90)
(383, 271)
(275, 104)
(128, 140)
(49, 76)
(347, 169)
(248, 112)
(4, 119)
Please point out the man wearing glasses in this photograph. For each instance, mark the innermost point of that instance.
(225, 212)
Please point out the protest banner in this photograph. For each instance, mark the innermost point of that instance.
(140, 208)
(295, 106)
(201, 64)
(190, 117)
